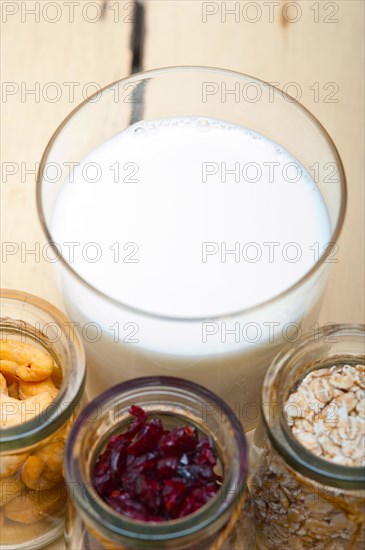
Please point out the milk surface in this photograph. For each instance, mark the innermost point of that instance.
(192, 218)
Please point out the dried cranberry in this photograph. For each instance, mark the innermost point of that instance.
(103, 483)
(152, 474)
(205, 453)
(166, 467)
(147, 491)
(118, 456)
(196, 473)
(173, 495)
(147, 439)
(140, 419)
(201, 495)
(124, 504)
(183, 440)
(144, 463)
(187, 507)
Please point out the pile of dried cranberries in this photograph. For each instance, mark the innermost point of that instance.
(152, 474)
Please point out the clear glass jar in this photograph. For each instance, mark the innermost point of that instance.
(225, 522)
(302, 501)
(33, 517)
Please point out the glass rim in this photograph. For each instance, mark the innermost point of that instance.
(293, 451)
(145, 75)
(56, 414)
(214, 510)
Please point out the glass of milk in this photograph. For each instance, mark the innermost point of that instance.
(193, 214)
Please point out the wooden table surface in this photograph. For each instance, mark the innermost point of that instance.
(320, 49)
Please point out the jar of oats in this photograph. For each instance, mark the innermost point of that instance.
(308, 454)
(42, 376)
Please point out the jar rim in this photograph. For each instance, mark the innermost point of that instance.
(282, 438)
(217, 509)
(68, 398)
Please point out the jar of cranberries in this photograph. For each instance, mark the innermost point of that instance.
(158, 463)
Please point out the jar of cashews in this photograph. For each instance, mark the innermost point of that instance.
(42, 376)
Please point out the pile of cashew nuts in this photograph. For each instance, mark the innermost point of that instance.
(32, 487)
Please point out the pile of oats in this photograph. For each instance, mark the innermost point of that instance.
(293, 512)
(327, 414)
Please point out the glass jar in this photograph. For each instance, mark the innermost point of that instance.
(301, 500)
(225, 522)
(33, 497)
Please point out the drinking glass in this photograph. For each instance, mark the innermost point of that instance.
(123, 341)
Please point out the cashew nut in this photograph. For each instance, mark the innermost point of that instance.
(32, 470)
(14, 411)
(13, 390)
(8, 369)
(3, 385)
(43, 469)
(32, 364)
(9, 385)
(33, 506)
(57, 375)
(10, 464)
(30, 389)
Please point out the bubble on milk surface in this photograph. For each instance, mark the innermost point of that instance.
(140, 131)
(203, 125)
(148, 129)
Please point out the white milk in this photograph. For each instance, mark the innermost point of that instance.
(189, 219)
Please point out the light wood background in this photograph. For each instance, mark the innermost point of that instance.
(325, 45)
